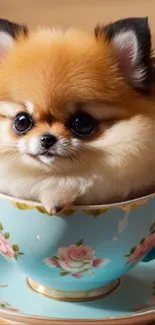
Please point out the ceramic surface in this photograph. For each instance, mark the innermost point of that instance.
(79, 252)
(132, 303)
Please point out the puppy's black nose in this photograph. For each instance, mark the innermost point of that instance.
(47, 140)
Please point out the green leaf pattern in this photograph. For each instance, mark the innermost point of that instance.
(6, 306)
(79, 243)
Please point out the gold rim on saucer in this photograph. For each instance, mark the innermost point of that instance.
(73, 296)
(136, 319)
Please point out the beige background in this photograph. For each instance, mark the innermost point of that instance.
(81, 13)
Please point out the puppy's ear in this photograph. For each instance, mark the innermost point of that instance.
(9, 32)
(131, 41)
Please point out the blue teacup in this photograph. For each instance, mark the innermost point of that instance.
(80, 254)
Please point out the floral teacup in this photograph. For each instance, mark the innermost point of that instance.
(80, 254)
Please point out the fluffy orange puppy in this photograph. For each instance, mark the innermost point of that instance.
(76, 122)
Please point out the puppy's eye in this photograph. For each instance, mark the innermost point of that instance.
(23, 123)
(83, 125)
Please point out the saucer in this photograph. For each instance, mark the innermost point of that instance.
(133, 302)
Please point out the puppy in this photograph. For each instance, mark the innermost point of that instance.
(76, 122)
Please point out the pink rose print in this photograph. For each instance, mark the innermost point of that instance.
(7, 250)
(141, 250)
(76, 260)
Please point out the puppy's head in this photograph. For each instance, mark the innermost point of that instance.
(62, 92)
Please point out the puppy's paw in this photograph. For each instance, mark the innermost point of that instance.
(57, 208)
(54, 209)
(54, 204)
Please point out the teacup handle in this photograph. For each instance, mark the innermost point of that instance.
(150, 256)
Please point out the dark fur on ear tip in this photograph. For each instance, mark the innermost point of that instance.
(140, 26)
(135, 23)
(12, 28)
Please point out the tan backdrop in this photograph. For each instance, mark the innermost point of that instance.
(83, 13)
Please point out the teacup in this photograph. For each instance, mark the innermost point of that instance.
(80, 254)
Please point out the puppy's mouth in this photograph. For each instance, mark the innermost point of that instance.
(43, 157)
(46, 154)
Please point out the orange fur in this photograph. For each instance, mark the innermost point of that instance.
(52, 68)
(61, 68)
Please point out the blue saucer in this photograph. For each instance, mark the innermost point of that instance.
(132, 302)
